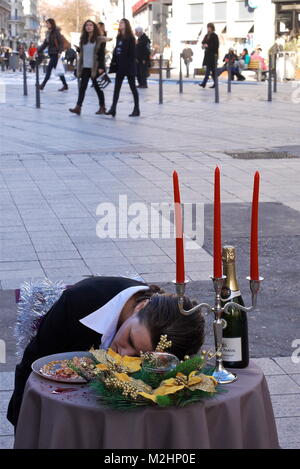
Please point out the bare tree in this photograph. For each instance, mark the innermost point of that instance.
(69, 15)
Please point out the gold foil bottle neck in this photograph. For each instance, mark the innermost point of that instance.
(228, 254)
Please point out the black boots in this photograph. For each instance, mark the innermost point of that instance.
(111, 112)
(135, 113)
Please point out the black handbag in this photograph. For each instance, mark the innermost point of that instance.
(103, 81)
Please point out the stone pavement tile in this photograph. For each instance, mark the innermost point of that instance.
(287, 364)
(6, 442)
(155, 268)
(26, 265)
(6, 429)
(282, 384)
(4, 400)
(268, 366)
(26, 273)
(77, 264)
(288, 432)
(62, 272)
(18, 254)
(296, 378)
(199, 275)
(98, 252)
(12, 284)
(286, 406)
(149, 259)
(58, 255)
(7, 380)
(159, 278)
(108, 262)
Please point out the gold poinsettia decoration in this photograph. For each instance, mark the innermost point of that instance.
(192, 382)
(112, 361)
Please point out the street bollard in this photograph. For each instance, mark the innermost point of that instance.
(180, 76)
(270, 79)
(25, 87)
(217, 96)
(275, 74)
(228, 79)
(37, 86)
(161, 96)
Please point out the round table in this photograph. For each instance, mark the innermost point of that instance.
(242, 417)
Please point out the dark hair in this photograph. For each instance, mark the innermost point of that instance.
(161, 316)
(211, 26)
(128, 30)
(246, 50)
(52, 22)
(84, 38)
(102, 24)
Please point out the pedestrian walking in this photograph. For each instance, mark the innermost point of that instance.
(187, 56)
(124, 65)
(6, 58)
(210, 44)
(55, 42)
(32, 51)
(91, 64)
(143, 50)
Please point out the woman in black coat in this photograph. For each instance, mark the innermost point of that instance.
(211, 45)
(124, 65)
(54, 43)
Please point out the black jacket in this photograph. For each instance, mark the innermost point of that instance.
(124, 57)
(61, 331)
(54, 42)
(143, 49)
(211, 52)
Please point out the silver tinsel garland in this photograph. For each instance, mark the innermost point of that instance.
(36, 298)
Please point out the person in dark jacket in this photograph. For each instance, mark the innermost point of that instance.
(124, 314)
(210, 44)
(142, 57)
(124, 65)
(54, 43)
(91, 64)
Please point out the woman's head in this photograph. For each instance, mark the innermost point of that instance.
(245, 52)
(211, 28)
(50, 23)
(90, 32)
(158, 316)
(125, 29)
(101, 28)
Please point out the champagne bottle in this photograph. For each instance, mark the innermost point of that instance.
(235, 331)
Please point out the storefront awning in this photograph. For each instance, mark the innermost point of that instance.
(141, 4)
(239, 29)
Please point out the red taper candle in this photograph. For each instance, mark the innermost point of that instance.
(217, 226)
(254, 270)
(180, 273)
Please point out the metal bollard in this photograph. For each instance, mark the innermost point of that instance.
(25, 87)
(37, 86)
(180, 76)
(161, 96)
(270, 79)
(275, 74)
(217, 95)
(228, 79)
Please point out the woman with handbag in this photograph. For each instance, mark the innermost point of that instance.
(55, 43)
(91, 64)
(124, 65)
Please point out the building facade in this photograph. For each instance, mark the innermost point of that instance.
(32, 23)
(4, 17)
(16, 24)
(239, 24)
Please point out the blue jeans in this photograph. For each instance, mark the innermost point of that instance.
(51, 65)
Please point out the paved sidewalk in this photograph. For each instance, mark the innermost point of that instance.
(283, 379)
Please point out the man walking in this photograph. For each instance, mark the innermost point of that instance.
(142, 57)
(187, 55)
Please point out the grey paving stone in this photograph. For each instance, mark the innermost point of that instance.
(58, 255)
(6, 442)
(6, 429)
(288, 365)
(296, 378)
(6, 381)
(288, 432)
(282, 384)
(286, 405)
(268, 366)
(4, 400)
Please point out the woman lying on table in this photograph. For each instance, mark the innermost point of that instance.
(117, 312)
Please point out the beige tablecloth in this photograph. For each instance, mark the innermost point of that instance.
(240, 418)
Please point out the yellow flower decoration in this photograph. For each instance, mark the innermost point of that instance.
(110, 360)
(192, 382)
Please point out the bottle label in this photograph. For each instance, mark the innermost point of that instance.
(232, 349)
(228, 295)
